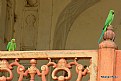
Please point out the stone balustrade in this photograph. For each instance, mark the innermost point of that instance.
(61, 65)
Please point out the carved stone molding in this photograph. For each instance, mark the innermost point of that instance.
(29, 25)
(31, 3)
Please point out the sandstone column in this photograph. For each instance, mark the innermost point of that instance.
(107, 56)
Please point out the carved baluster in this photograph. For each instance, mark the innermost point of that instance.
(20, 69)
(32, 70)
(45, 69)
(80, 71)
(4, 67)
(61, 66)
(80, 68)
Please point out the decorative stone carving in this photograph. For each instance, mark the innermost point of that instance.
(80, 70)
(62, 65)
(109, 37)
(31, 3)
(29, 32)
(4, 67)
(30, 25)
(32, 70)
(20, 68)
(30, 20)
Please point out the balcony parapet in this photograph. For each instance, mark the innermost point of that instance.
(61, 65)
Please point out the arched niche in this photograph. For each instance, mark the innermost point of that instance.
(66, 19)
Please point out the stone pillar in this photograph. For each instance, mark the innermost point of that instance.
(107, 56)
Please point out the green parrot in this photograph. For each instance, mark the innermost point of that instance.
(107, 23)
(11, 45)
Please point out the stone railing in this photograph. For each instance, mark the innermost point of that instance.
(61, 65)
(104, 63)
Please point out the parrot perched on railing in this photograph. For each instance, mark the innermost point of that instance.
(107, 23)
(11, 45)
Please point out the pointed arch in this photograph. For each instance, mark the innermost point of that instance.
(67, 18)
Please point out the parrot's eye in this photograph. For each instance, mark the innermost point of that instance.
(112, 12)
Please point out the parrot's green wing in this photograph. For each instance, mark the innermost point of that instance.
(8, 45)
(107, 23)
(14, 45)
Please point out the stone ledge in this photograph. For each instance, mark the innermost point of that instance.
(48, 54)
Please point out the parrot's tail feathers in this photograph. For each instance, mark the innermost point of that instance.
(101, 37)
(99, 40)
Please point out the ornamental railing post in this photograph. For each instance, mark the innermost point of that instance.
(107, 56)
